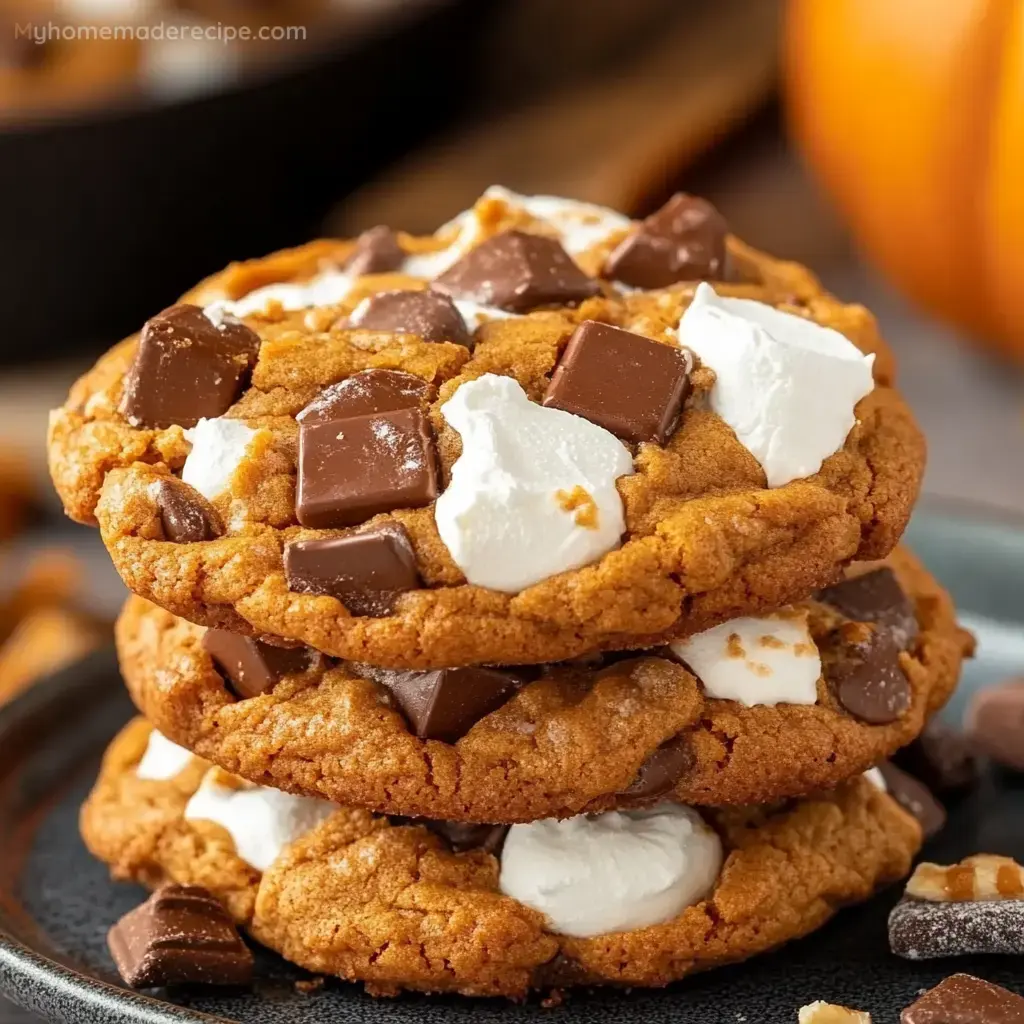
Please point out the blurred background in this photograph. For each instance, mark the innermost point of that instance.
(878, 141)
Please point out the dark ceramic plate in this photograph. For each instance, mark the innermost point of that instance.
(56, 903)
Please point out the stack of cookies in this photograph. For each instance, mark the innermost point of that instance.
(514, 608)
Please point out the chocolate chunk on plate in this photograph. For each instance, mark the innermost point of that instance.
(251, 666)
(915, 798)
(376, 252)
(187, 368)
(995, 723)
(624, 382)
(964, 999)
(518, 272)
(367, 392)
(943, 758)
(180, 935)
(426, 314)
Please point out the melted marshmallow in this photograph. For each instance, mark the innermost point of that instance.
(162, 759)
(218, 447)
(327, 288)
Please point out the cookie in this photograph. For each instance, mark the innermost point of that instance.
(515, 744)
(392, 905)
(426, 479)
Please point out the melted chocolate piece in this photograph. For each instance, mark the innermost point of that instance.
(180, 935)
(185, 515)
(995, 722)
(518, 272)
(662, 769)
(365, 571)
(376, 252)
(915, 798)
(964, 999)
(628, 384)
(367, 392)
(683, 241)
(877, 597)
(943, 758)
(862, 666)
(251, 666)
(426, 314)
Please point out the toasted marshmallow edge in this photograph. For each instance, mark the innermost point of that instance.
(508, 516)
(162, 759)
(327, 288)
(218, 448)
(787, 386)
(765, 660)
(261, 821)
(596, 874)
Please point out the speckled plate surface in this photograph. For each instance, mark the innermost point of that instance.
(56, 902)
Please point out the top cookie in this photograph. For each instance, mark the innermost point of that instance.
(532, 435)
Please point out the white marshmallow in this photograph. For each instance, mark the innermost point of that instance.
(786, 385)
(327, 288)
(474, 314)
(505, 516)
(877, 779)
(769, 660)
(262, 821)
(218, 447)
(162, 759)
(613, 872)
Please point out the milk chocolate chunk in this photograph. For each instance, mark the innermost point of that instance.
(964, 999)
(875, 596)
(915, 798)
(861, 663)
(943, 758)
(251, 666)
(445, 704)
(683, 241)
(366, 392)
(185, 514)
(180, 935)
(187, 368)
(426, 314)
(365, 571)
(995, 722)
(518, 272)
(662, 769)
(628, 384)
(352, 469)
(376, 252)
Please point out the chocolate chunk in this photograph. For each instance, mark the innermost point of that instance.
(180, 935)
(251, 666)
(922, 930)
(995, 722)
(445, 704)
(185, 514)
(352, 469)
(462, 835)
(877, 597)
(187, 368)
(366, 392)
(426, 314)
(915, 798)
(376, 252)
(862, 666)
(621, 381)
(518, 272)
(365, 571)
(964, 999)
(662, 769)
(943, 758)
(683, 241)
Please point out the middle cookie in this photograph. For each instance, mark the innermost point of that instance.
(749, 712)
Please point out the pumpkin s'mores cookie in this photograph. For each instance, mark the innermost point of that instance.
(624, 898)
(755, 710)
(544, 431)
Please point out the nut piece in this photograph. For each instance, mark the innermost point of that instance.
(826, 1013)
(984, 876)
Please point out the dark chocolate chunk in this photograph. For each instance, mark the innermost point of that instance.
(923, 930)
(462, 835)
(187, 368)
(943, 758)
(862, 665)
(376, 252)
(426, 314)
(365, 571)
(180, 935)
(964, 999)
(445, 704)
(621, 381)
(518, 272)
(662, 769)
(915, 798)
(366, 392)
(995, 722)
(352, 469)
(877, 597)
(251, 666)
(683, 241)
(185, 514)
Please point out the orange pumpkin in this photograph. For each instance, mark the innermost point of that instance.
(912, 114)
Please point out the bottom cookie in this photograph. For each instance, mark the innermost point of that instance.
(636, 899)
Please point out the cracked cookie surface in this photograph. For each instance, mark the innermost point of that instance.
(705, 538)
(570, 741)
(393, 906)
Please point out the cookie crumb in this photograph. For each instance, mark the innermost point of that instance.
(820, 1012)
(307, 986)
